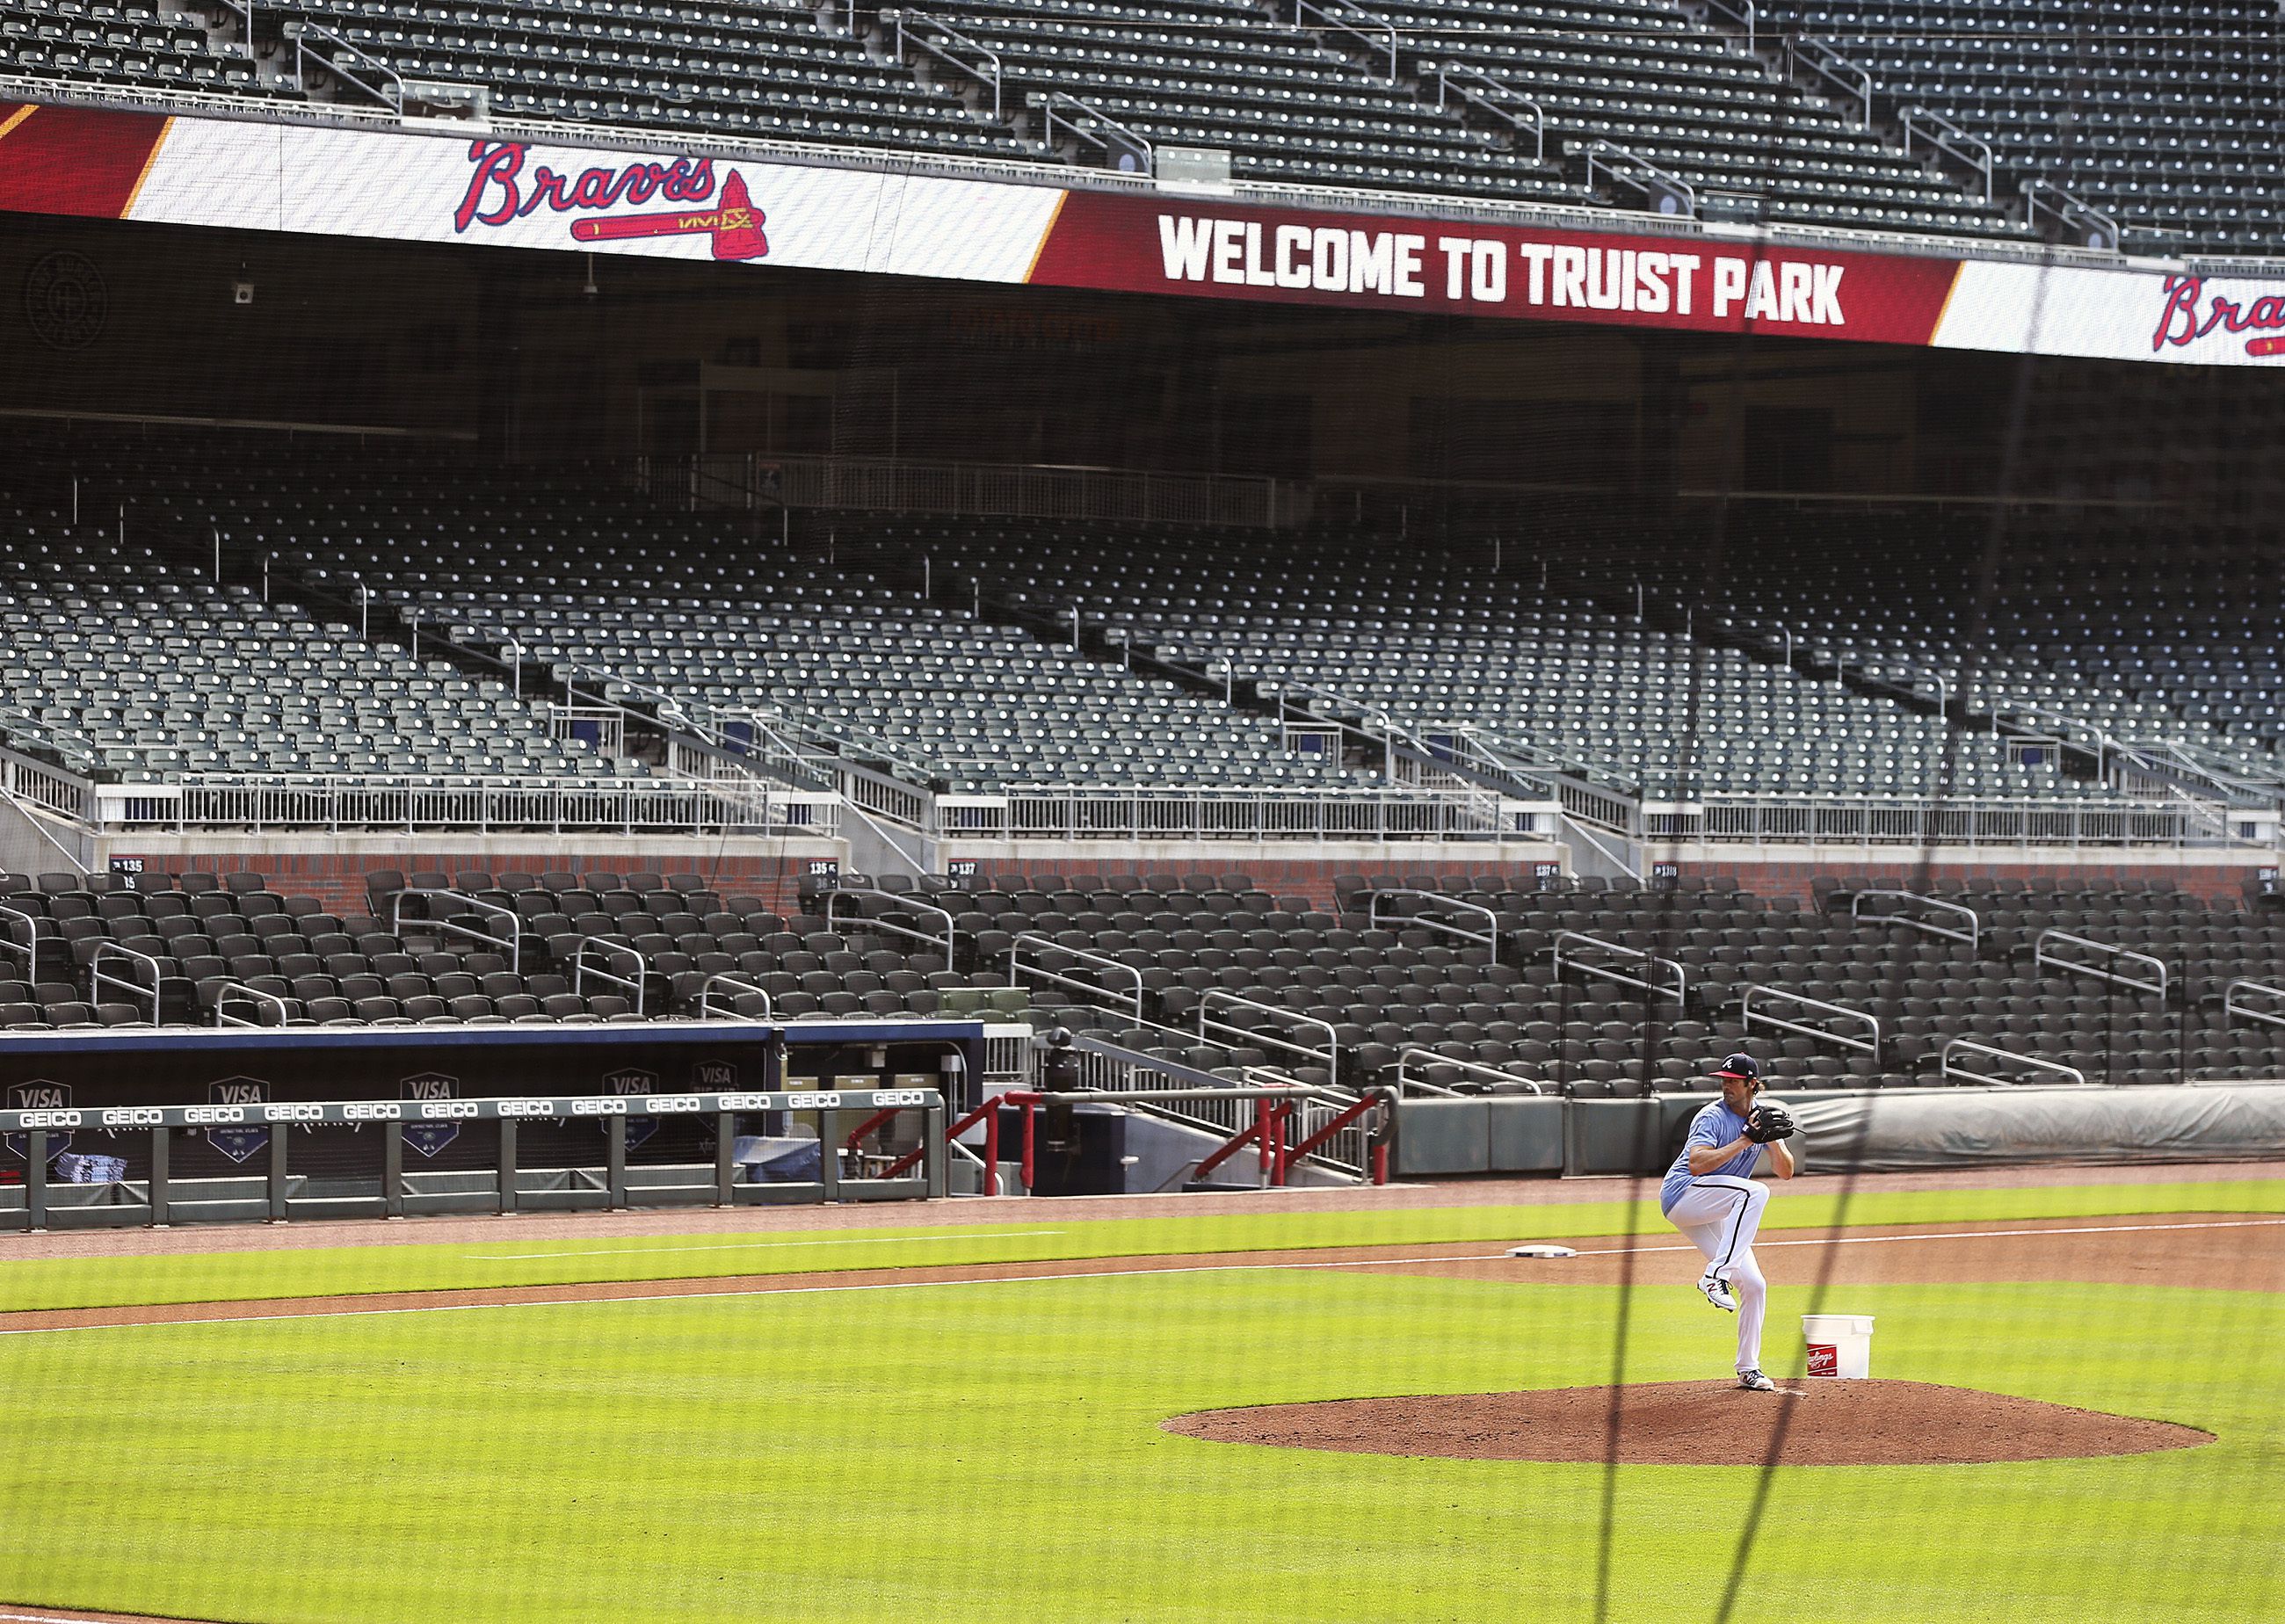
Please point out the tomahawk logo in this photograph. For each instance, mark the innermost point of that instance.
(430, 1138)
(38, 1094)
(628, 1081)
(500, 190)
(239, 1144)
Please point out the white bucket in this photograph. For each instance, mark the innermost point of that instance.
(1840, 1345)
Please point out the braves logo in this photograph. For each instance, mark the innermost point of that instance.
(500, 190)
(2189, 315)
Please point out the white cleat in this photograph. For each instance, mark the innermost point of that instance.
(1754, 1381)
(1716, 1291)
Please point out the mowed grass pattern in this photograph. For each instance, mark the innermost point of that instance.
(993, 1452)
(1012, 1233)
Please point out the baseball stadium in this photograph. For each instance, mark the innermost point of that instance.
(1142, 810)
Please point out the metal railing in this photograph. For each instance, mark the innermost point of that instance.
(736, 984)
(1837, 71)
(1742, 14)
(1950, 1071)
(986, 70)
(1096, 811)
(360, 71)
(2044, 199)
(397, 1193)
(1973, 935)
(512, 943)
(582, 971)
(2041, 958)
(1496, 96)
(1749, 1014)
(1631, 168)
(1679, 990)
(1231, 1035)
(63, 792)
(905, 901)
(1039, 945)
(1918, 821)
(720, 480)
(1936, 131)
(243, 994)
(28, 949)
(1411, 1052)
(420, 804)
(99, 978)
(1488, 937)
(2230, 1006)
(1056, 110)
(1366, 28)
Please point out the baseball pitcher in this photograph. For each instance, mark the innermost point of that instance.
(1710, 1196)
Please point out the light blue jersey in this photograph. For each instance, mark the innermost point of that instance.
(1717, 1124)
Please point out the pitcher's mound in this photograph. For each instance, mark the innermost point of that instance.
(1702, 1423)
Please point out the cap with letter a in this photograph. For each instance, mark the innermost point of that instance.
(1743, 1066)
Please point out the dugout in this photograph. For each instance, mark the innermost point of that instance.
(452, 1160)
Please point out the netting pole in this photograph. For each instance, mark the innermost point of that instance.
(508, 1164)
(161, 1207)
(277, 1174)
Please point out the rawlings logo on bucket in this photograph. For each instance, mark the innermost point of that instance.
(1824, 1359)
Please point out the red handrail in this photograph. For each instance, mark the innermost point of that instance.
(988, 1114)
(879, 1119)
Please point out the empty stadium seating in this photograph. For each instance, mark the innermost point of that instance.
(1305, 101)
(1364, 987)
(1441, 643)
(2163, 113)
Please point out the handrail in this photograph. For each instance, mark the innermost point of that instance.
(30, 946)
(991, 56)
(1679, 991)
(98, 978)
(1750, 1015)
(1834, 68)
(2072, 210)
(581, 970)
(1370, 1099)
(1488, 937)
(1101, 961)
(1946, 137)
(2040, 956)
(949, 941)
(302, 31)
(1969, 1044)
(1742, 13)
(725, 979)
(1607, 156)
(1457, 80)
(1050, 106)
(1972, 936)
(241, 991)
(513, 941)
(1247, 1038)
(2230, 1006)
(1474, 1068)
(1302, 9)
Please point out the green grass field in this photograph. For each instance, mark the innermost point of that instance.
(993, 1451)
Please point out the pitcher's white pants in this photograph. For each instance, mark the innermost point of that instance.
(1721, 1215)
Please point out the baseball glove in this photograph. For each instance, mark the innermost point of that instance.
(1766, 1123)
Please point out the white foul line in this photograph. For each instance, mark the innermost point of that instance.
(1106, 1274)
(854, 1240)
